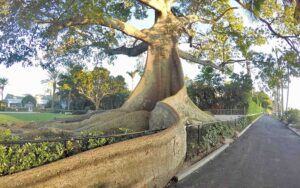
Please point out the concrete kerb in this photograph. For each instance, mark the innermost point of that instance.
(199, 164)
(294, 130)
(241, 133)
(181, 175)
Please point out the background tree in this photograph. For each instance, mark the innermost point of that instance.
(3, 83)
(206, 88)
(27, 99)
(53, 74)
(276, 70)
(67, 84)
(264, 99)
(119, 96)
(132, 75)
(97, 84)
(211, 90)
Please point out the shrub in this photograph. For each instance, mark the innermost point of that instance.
(292, 116)
(17, 157)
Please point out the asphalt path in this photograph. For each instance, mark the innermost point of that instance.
(266, 156)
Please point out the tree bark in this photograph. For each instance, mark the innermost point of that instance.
(281, 99)
(288, 88)
(163, 77)
(53, 95)
(69, 99)
(2, 91)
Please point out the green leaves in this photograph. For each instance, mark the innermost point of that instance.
(15, 157)
(98, 83)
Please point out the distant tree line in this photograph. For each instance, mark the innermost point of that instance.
(211, 90)
(81, 89)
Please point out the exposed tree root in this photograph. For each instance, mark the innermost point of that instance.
(161, 116)
(183, 106)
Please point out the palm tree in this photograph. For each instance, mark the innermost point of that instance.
(3, 83)
(52, 79)
(132, 74)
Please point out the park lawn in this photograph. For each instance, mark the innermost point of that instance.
(29, 117)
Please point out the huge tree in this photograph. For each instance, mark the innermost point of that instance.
(70, 29)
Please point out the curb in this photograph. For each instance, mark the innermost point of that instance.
(211, 156)
(199, 164)
(241, 133)
(294, 130)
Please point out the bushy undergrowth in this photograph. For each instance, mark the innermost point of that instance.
(254, 107)
(213, 135)
(292, 116)
(17, 157)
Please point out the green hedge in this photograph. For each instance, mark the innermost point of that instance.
(15, 158)
(254, 108)
(213, 135)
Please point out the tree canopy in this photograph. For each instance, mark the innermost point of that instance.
(94, 30)
(28, 99)
(97, 84)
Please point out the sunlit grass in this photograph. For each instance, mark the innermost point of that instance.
(29, 117)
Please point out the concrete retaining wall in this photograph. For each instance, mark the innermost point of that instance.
(149, 161)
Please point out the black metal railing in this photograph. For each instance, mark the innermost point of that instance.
(227, 111)
(117, 137)
(204, 137)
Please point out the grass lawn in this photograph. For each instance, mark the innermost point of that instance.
(28, 117)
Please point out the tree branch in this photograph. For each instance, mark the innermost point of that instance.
(158, 5)
(107, 22)
(142, 47)
(194, 59)
(271, 29)
(194, 18)
(131, 52)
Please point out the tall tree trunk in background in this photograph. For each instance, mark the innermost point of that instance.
(288, 89)
(282, 97)
(97, 105)
(277, 100)
(53, 95)
(248, 67)
(69, 99)
(1, 92)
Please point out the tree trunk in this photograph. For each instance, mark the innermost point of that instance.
(248, 68)
(53, 95)
(97, 104)
(69, 99)
(288, 89)
(2, 91)
(282, 97)
(163, 77)
(277, 100)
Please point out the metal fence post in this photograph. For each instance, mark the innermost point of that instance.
(66, 149)
(198, 134)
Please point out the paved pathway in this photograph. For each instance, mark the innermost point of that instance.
(266, 156)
